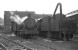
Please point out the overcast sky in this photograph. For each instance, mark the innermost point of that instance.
(39, 6)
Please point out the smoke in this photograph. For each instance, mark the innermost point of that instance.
(37, 19)
(17, 19)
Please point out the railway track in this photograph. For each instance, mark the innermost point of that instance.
(40, 43)
(12, 45)
(28, 44)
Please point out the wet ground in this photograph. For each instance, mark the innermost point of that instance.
(44, 44)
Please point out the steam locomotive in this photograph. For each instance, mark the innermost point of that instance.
(27, 29)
